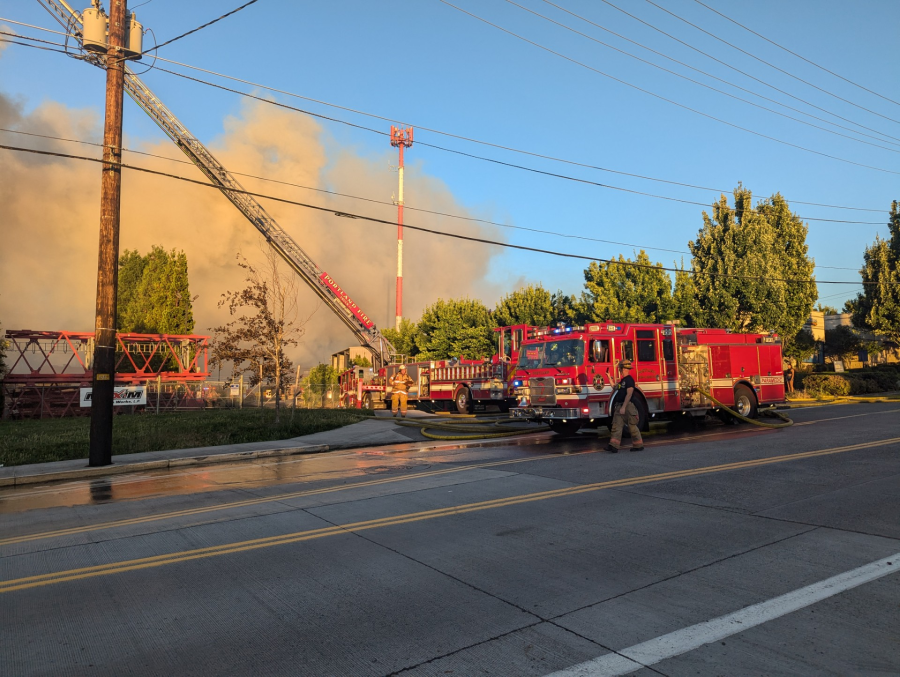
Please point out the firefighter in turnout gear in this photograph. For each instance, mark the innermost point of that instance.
(626, 413)
(400, 384)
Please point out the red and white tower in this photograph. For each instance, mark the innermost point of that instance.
(401, 138)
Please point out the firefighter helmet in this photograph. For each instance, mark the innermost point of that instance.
(625, 364)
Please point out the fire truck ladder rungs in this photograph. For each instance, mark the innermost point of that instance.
(275, 235)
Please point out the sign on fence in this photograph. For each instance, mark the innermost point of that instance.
(124, 395)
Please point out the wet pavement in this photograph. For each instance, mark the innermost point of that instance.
(519, 558)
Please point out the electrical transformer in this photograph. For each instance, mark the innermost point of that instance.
(96, 32)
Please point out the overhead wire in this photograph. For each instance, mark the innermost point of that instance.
(771, 65)
(744, 73)
(200, 28)
(663, 98)
(799, 56)
(25, 44)
(701, 71)
(458, 236)
(456, 136)
(381, 202)
(479, 157)
(710, 87)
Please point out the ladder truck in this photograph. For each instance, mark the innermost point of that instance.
(324, 286)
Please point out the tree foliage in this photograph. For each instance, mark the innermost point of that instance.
(454, 328)
(764, 246)
(404, 340)
(801, 347)
(878, 306)
(318, 384)
(842, 343)
(265, 326)
(627, 293)
(154, 293)
(529, 305)
(684, 299)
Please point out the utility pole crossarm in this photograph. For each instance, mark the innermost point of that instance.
(350, 314)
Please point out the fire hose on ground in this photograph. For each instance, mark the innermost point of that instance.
(472, 427)
(766, 412)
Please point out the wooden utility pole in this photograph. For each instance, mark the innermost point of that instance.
(108, 263)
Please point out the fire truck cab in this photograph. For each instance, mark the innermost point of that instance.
(567, 376)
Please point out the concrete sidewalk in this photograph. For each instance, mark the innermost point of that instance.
(368, 433)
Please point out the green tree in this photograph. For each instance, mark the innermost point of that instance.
(801, 347)
(318, 384)
(154, 293)
(828, 310)
(404, 341)
(530, 305)
(684, 298)
(878, 306)
(740, 260)
(454, 328)
(842, 343)
(628, 293)
(568, 309)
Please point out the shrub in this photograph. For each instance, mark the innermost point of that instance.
(826, 384)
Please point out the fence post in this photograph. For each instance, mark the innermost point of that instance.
(241, 393)
(158, 391)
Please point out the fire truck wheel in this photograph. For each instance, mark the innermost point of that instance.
(565, 428)
(744, 401)
(463, 399)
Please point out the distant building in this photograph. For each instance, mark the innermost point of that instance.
(889, 355)
(342, 360)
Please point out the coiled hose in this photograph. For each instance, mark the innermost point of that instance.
(766, 412)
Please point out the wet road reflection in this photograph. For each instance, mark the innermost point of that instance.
(328, 468)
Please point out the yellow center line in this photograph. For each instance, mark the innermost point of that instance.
(296, 537)
(258, 501)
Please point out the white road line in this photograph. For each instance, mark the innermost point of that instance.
(687, 639)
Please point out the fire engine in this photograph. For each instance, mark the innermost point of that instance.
(445, 385)
(567, 376)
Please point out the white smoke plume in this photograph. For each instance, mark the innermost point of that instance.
(49, 216)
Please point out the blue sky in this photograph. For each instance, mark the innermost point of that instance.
(426, 63)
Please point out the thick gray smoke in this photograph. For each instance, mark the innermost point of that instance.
(49, 214)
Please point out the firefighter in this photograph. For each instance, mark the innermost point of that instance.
(789, 377)
(626, 413)
(400, 384)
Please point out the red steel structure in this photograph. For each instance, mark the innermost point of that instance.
(47, 369)
(400, 138)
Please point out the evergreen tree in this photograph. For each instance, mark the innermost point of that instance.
(878, 306)
(740, 258)
(568, 309)
(684, 298)
(627, 293)
(530, 305)
(454, 328)
(404, 341)
(154, 293)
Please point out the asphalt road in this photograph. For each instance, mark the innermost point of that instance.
(725, 551)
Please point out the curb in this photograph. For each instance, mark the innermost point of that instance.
(162, 464)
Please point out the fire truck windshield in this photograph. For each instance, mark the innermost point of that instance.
(568, 353)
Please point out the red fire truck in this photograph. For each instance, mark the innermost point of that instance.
(567, 376)
(445, 385)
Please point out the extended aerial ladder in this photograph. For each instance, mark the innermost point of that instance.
(318, 280)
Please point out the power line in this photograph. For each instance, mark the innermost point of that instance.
(481, 157)
(662, 98)
(744, 73)
(770, 65)
(710, 87)
(703, 72)
(812, 63)
(458, 136)
(25, 44)
(199, 28)
(457, 236)
(382, 202)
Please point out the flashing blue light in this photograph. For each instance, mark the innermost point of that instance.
(568, 329)
(517, 383)
(556, 331)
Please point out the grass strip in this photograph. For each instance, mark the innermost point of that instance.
(61, 439)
